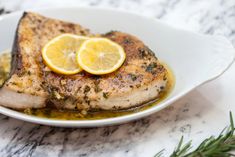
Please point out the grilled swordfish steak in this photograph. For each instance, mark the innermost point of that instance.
(139, 80)
(23, 89)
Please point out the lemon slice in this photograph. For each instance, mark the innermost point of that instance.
(59, 53)
(100, 56)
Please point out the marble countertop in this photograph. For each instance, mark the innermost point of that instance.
(202, 113)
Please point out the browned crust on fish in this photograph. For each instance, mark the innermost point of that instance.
(32, 33)
(140, 69)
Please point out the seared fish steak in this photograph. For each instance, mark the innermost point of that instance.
(24, 89)
(139, 80)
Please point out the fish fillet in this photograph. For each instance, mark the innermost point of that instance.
(31, 85)
(24, 89)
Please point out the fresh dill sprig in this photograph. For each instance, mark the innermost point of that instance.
(220, 146)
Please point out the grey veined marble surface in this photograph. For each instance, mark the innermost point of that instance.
(201, 113)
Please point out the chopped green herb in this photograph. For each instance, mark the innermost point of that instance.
(106, 95)
(150, 67)
(132, 76)
(87, 89)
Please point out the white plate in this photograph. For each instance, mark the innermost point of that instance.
(194, 58)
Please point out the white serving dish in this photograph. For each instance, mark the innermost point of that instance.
(194, 58)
